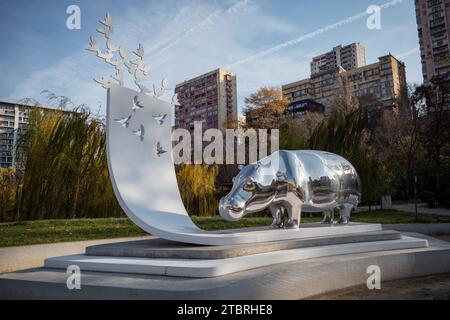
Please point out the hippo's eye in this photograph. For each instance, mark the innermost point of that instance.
(249, 186)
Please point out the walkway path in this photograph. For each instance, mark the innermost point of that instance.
(31, 256)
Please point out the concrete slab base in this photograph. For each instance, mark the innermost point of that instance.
(160, 248)
(206, 268)
(289, 280)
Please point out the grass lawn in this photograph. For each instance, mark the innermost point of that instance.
(394, 216)
(50, 231)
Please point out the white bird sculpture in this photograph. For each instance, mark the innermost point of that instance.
(123, 53)
(105, 82)
(131, 67)
(146, 70)
(119, 77)
(136, 104)
(159, 149)
(140, 51)
(175, 101)
(140, 132)
(93, 45)
(124, 122)
(107, 56)
(105, 31)
(107, 21)
(158, 92)
(160, 118)
(110, 46)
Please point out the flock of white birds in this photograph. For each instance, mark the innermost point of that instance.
(137, 68)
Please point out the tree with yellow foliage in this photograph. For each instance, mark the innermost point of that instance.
(265, 107)
(8, 190)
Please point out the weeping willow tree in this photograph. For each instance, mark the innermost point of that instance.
(346, 134)
(8, 190)
(196, 183)
(66, 173)
(295, 132)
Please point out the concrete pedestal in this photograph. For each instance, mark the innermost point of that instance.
(159, 257)
(205, 268)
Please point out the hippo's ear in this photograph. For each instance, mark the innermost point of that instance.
(281, 176)
(265, 162)
(240, 167)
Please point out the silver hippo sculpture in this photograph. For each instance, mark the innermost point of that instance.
(289, 182)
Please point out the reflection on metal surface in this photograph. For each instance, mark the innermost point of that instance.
(288, 182)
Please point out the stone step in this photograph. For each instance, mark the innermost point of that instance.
(160, 248)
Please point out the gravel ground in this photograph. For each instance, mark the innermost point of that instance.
(435, 287)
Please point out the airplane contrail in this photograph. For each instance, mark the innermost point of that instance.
(407, 53)
(208, 20)
(310, 35)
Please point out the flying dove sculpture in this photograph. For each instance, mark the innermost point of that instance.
(160, 118)
(159, 149)
(125, 121)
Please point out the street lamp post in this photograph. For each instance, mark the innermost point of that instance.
(415, 196)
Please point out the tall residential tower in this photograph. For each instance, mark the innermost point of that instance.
(13, 124)
(348, 57)
(433, 23)
(210, 98)
(385, 80)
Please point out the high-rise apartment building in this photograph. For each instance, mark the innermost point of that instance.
(433, 23)
(385, 80)
(13, 123)
(348, 57)
(210, 98)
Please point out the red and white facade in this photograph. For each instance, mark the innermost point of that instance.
(210, 98)
(433, 23)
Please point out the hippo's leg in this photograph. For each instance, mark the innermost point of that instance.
(345, 211)
(294, 214)
(327, 217)
(277, 214)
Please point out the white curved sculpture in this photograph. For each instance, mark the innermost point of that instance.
(145, 184)
(139, 151)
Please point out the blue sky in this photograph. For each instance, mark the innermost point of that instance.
(188, 37)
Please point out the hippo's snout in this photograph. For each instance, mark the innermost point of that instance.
(230, 209)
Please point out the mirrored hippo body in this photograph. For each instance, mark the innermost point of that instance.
(289, 182)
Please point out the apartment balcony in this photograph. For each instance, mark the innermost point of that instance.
(440, 43)
(433, 3)
(440, 49)
(437, 22)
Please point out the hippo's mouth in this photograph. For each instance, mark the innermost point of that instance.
(229, 211)
(234, 209)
